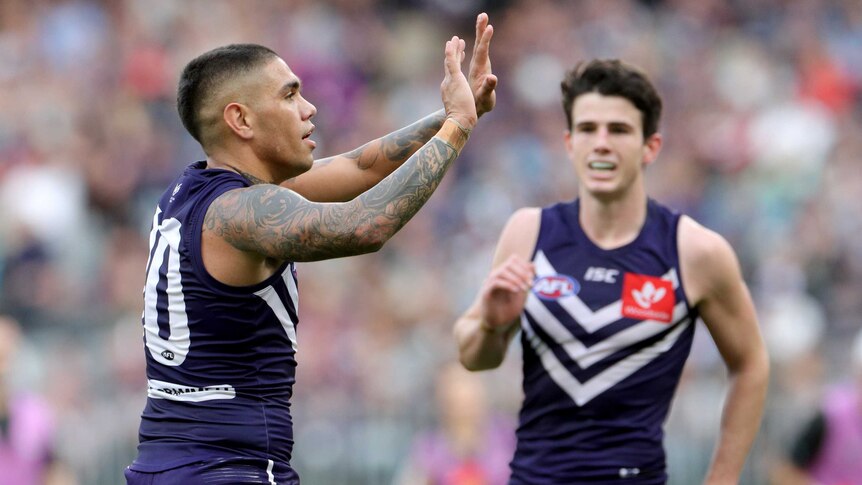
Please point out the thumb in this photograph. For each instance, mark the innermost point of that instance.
(488, 85)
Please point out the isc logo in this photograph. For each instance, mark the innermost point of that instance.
(555, 286)
(601, 275)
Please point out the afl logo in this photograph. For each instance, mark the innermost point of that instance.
(555, 286)
(168, 354)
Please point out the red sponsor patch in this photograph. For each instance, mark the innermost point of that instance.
(648, 298)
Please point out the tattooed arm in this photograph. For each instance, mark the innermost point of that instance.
(343, 177)
(279, 224)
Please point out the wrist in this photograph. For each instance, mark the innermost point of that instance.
(453, 133)
(464, 123)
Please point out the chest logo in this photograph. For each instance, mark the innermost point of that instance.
(556, 286)
(174, 193)
(648, 298)
(601, 275)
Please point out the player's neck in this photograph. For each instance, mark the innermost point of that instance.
(253, 173)
(613, 222)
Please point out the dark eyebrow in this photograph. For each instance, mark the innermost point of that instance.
(611, 124)
(290, 86)
(620, 124)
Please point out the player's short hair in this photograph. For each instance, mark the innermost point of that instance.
(612, 77)
(205, 74)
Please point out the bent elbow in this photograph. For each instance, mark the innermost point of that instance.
(370, 239)
(368, 246)
(754, 370)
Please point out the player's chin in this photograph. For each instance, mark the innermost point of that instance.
(309, 161)
(300, 164)
(602, 189)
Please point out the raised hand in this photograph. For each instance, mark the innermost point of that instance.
(457, 97)
(482, 80)
(504, 293)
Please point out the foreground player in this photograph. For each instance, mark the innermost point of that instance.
(607, 289)
(221, 303)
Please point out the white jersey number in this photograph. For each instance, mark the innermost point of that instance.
(165, 237)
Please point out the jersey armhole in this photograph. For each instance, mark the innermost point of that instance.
(674, 250)
(540, 231)
(194, 242)
(194, 236)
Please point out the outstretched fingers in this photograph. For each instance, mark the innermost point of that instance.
(482, 41)
(482, 80)
(454, 55)
(458, 100)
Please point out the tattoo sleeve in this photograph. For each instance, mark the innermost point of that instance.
(280, 224)
(393, 149)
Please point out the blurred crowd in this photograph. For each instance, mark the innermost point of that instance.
(762, 123)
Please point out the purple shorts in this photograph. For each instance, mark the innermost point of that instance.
(238, 471)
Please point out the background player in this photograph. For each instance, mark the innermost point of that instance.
(607, 289)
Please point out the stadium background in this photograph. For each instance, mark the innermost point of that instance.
(762, 122)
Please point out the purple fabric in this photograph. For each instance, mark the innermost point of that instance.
(25, 449)
(434, 455)
(232, 471)
(840, 459)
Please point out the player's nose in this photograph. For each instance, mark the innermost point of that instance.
(309, 111)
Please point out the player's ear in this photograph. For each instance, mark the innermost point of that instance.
(237, 116)
(567, 142)
(651, 148)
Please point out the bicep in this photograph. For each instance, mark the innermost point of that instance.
(279, 223)
(726, 306)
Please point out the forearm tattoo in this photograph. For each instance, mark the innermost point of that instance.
(397, 146)
(281, 224)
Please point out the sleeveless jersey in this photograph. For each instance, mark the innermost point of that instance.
(220, 359)
(605, 335)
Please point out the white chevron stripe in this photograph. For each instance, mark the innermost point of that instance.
(586, 318)
(292, 290)
(270, 296)
(583, 393)
(583, 355)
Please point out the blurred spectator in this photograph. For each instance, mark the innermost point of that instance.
(828, 449)
(27, 427)
(469, 444)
